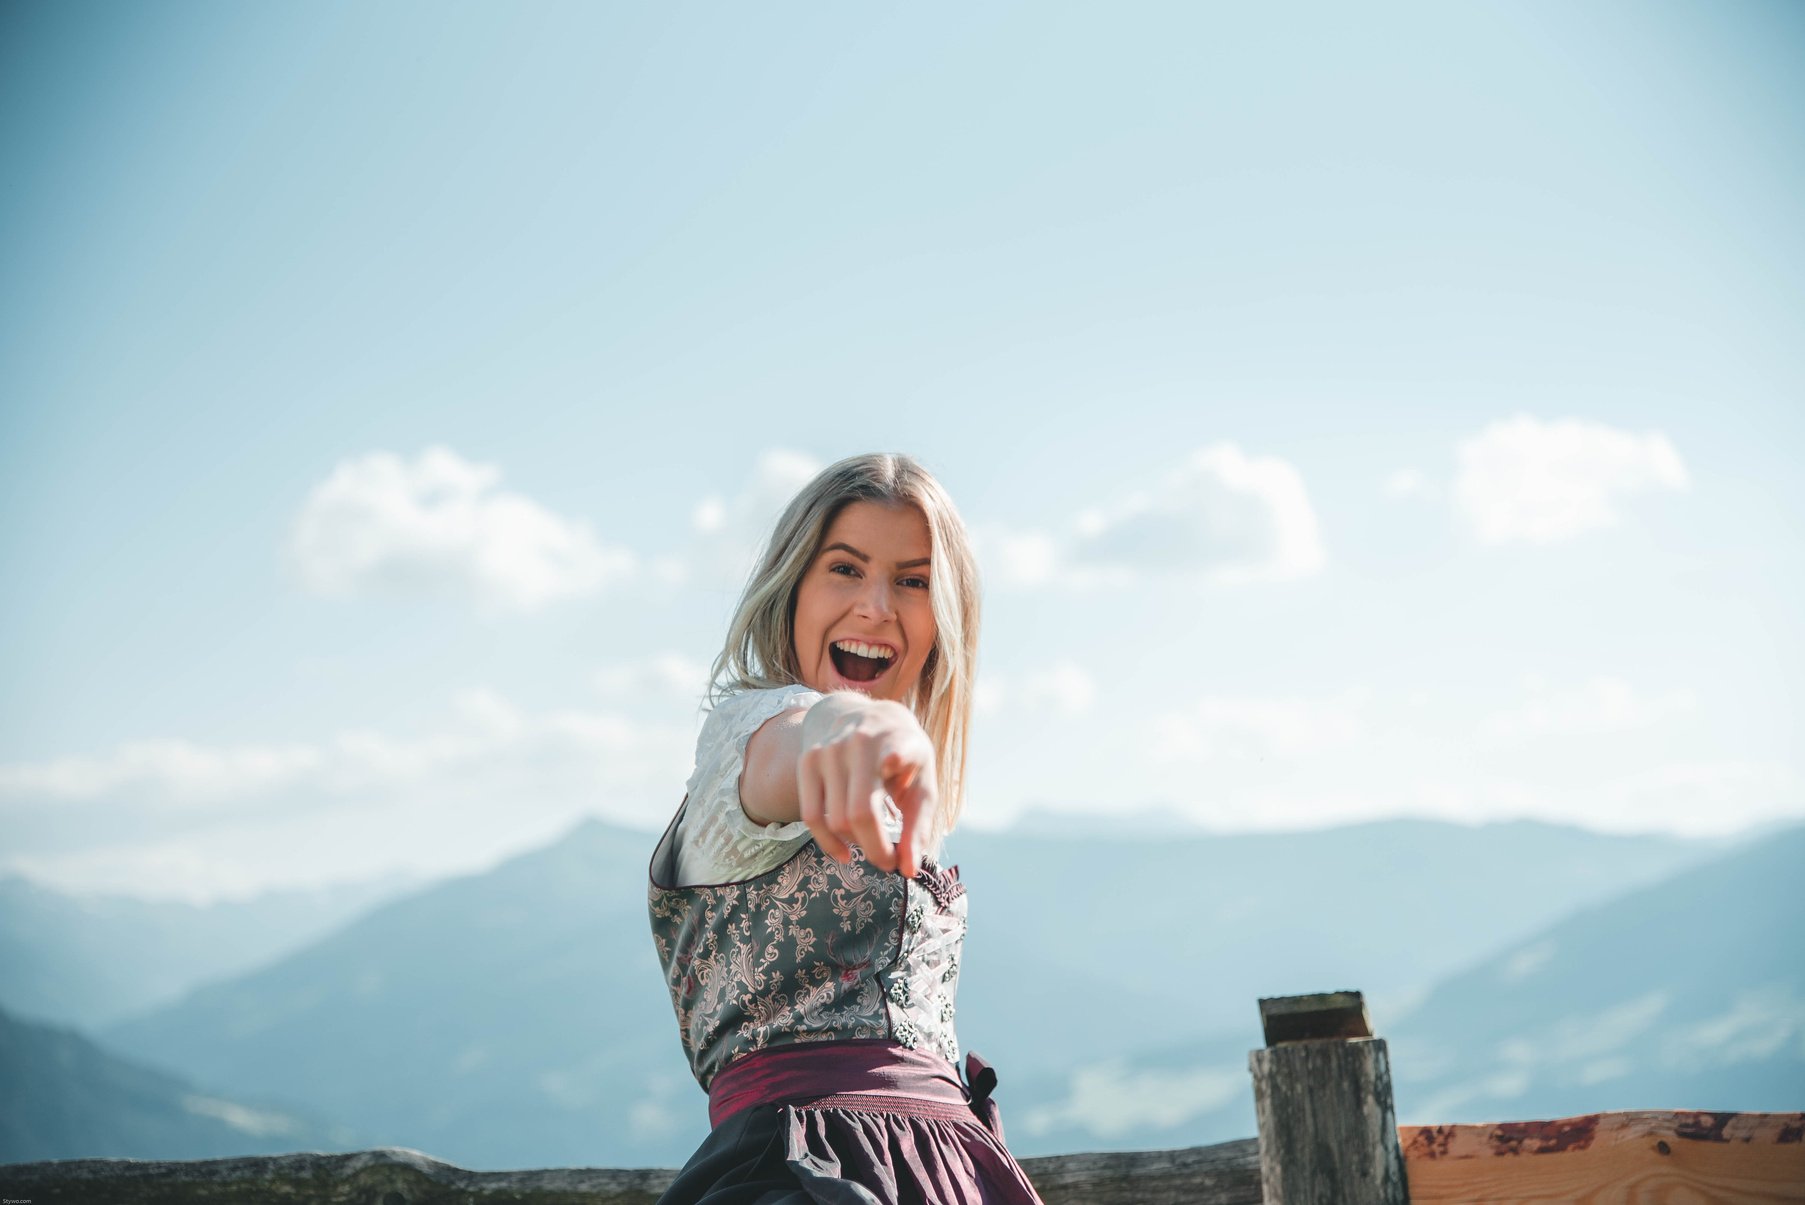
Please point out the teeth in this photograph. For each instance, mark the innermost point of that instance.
(863, 649)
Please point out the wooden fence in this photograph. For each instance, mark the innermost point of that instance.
(1611, 1157)
(1322, 1090)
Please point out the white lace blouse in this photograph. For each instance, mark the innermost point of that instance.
(716, 841)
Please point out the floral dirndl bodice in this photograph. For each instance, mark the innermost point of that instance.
(813, 951)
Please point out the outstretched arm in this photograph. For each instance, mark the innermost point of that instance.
(832, 766)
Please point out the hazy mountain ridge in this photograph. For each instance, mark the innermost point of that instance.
(1686, 995)
(63, 1097)
(1635, 1003)
(517, 1017)
(90, 961)
(513, 1017)
(1185, 934)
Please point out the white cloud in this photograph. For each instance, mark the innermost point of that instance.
(710, 515)
(730, 533)
(1063, 687)
(667, 675)
(1017, 558)
(1600, 704)
(1527, 961)
(1585, 1045)
(187, 776)
(1236, 518)
(439, 523)
(1408, 484)
(1222, 515)
(777, 476)
(1760, 1024)
(255, 1122)
(488, 712)
(179, 772)
(177, 817)
(1240, 762)
(1218, 727)
(1538, 482)
(1109, 1100)
(1693, 798)
(1590, 1034)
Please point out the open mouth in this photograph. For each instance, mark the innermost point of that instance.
(860, 662)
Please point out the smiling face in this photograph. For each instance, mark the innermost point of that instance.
(863, 617)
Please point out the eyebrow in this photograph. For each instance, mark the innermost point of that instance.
(867, 560)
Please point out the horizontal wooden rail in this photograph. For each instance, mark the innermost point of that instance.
(1610, 1159)
(389, 1175)
(1225, 1174)
(1598, 1159)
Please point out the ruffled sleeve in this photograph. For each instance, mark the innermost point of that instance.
(716, 841)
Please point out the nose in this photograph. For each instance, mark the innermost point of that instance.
(875, 600)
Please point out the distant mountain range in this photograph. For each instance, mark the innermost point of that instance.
(1123, 943)
(1689, 994)
(517, 1017)
(62, 1097)
(92, 960)
(1686, 995)
(513, 1018)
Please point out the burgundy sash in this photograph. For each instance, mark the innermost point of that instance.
(868, 1074)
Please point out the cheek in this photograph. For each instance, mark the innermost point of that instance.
(810, 615)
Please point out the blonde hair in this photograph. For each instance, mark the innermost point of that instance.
(761, 647)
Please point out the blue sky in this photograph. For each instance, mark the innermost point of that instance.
(1375, 413)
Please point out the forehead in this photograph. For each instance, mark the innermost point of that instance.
(881, 531)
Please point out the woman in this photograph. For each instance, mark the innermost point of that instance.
(808, 935)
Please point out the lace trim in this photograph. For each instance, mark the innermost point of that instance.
(941, 883)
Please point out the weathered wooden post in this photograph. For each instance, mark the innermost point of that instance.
(1322, 1091)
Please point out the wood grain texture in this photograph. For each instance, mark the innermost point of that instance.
(1328, 1135)
(1599, 1159)
(1225, 1174)
(1611, 1159)
(1313, 1018)
(385, 1176)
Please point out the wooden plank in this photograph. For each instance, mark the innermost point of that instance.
(386, 1174)
(1327, 1130)
(1599, 1159)
(1314, 1018)
(1225, 1174)
(1611, 1159)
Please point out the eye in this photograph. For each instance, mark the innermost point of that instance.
(915, 582)
(844, 568)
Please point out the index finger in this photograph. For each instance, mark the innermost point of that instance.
(811, 791)
(864, 810)
(916, 799)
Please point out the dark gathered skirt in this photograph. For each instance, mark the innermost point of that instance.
(905, 1138)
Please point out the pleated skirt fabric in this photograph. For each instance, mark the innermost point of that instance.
(873, 1151)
